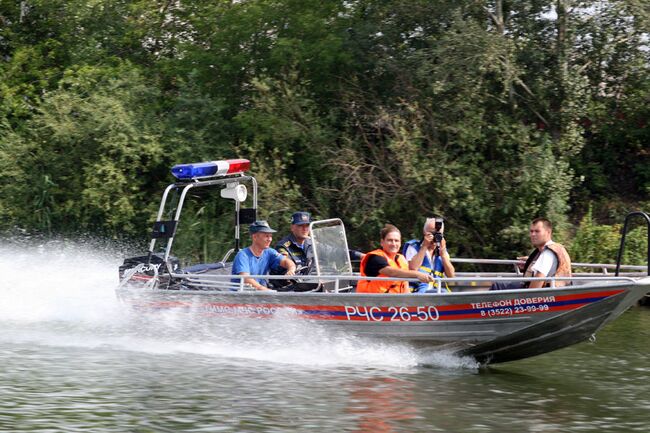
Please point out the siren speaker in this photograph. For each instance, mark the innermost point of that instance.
(235, 191)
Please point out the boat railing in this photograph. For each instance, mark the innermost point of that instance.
(603, 267)
(227, 255)
(464, 281)
(341, 283)
(624, 233)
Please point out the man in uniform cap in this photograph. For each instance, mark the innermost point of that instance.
(297, 245)
(259, 258)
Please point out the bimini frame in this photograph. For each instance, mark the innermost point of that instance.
(166, 229)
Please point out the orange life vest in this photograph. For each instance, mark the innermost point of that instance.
(563, 263)
(378, 286)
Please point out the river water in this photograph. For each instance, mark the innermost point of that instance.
(72, 359)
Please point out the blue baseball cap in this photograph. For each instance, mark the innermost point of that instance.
(300, 218)
(260, 226)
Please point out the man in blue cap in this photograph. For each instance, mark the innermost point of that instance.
(297, 245)
(259, 258)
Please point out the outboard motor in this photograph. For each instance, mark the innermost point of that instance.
(147, 271)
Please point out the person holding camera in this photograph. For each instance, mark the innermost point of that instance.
(430, 255)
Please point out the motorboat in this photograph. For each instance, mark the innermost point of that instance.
(470, 320)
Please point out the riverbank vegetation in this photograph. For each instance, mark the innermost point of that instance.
(488, 113)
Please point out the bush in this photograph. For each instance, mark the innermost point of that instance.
(599, 243)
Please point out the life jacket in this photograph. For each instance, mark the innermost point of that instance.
(437, 269)
(378, 286)
(563, 263)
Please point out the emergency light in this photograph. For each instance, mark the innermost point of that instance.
(200, 170)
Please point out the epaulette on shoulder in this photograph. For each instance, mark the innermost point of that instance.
(287, 244)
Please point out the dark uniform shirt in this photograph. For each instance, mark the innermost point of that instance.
(301, 256)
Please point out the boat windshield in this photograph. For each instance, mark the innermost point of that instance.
(330, 248)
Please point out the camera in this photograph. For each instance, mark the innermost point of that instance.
(437, 237)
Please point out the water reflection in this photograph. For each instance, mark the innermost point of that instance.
(381, 401)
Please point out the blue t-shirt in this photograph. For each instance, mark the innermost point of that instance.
(246, 261)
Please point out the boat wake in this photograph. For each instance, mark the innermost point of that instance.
(61, 294)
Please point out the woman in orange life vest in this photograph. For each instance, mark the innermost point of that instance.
(388, 262)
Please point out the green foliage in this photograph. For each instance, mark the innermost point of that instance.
(599, 243)
(616, 59)
(86, 157)
(488, 113)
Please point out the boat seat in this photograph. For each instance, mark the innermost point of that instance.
(301, 286)
(202, 268)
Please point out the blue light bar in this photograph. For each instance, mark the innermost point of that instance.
(200, 170)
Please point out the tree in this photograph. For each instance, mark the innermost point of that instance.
(88, 154)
